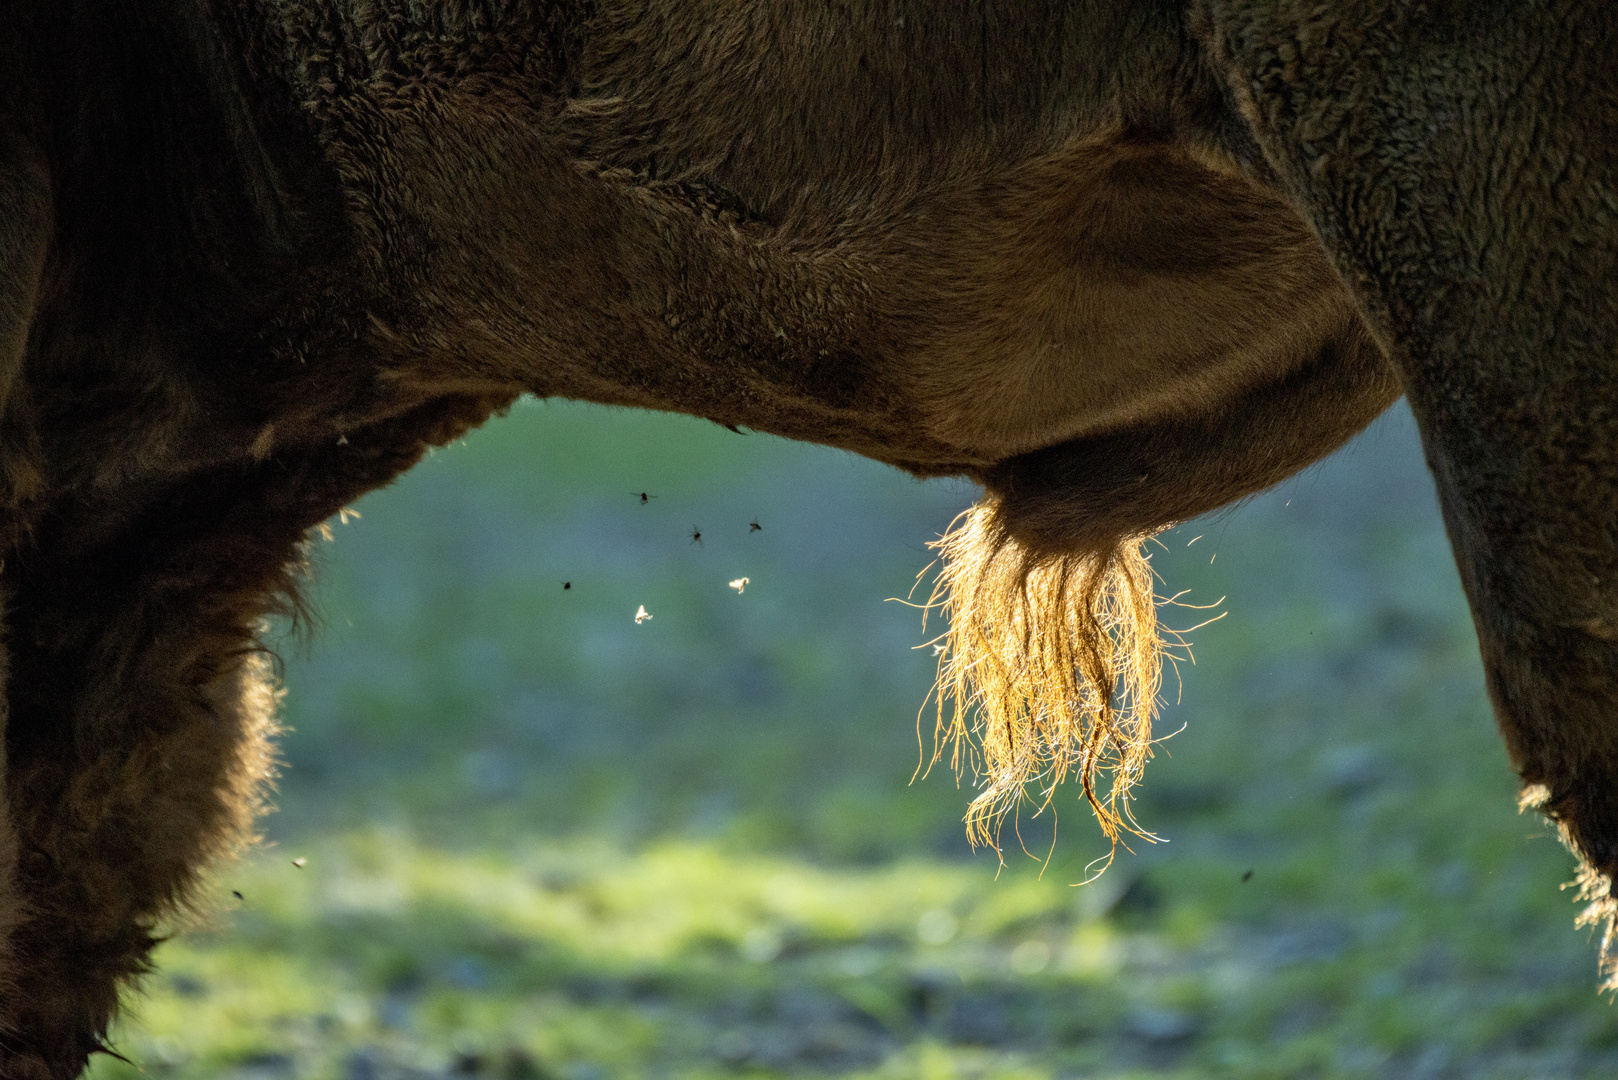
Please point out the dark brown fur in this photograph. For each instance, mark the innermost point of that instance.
(1122, 263)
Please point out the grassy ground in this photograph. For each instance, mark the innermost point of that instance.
(524, 836)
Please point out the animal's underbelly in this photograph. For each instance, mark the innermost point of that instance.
(1112, 285)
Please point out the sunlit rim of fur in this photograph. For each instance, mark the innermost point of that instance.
(1594, 889)
(1050, 668)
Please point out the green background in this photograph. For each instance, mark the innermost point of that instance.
(540, 840)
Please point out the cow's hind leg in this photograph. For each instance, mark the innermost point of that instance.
(1460, 161)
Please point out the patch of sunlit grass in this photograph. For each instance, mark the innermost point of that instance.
(381, 945)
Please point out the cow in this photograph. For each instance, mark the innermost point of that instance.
(1118, 262)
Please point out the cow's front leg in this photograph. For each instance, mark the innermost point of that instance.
(1460, 161)
(141, 713)
(137, 745)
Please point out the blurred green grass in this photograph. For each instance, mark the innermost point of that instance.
(538, 839)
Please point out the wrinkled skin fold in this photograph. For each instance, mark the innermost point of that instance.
(1119, 263)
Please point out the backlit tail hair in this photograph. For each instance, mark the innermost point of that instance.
(1050, 668)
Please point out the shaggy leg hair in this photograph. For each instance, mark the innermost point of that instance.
(121, 792)
(141, 713)
(1050, 668)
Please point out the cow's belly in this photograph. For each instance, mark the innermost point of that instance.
(943, 325)
(1112, 284)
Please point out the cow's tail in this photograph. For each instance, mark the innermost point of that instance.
(1050, 669)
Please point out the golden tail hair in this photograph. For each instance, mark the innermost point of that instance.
(1050, 668)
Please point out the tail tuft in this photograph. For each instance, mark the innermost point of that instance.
(1050, 668)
